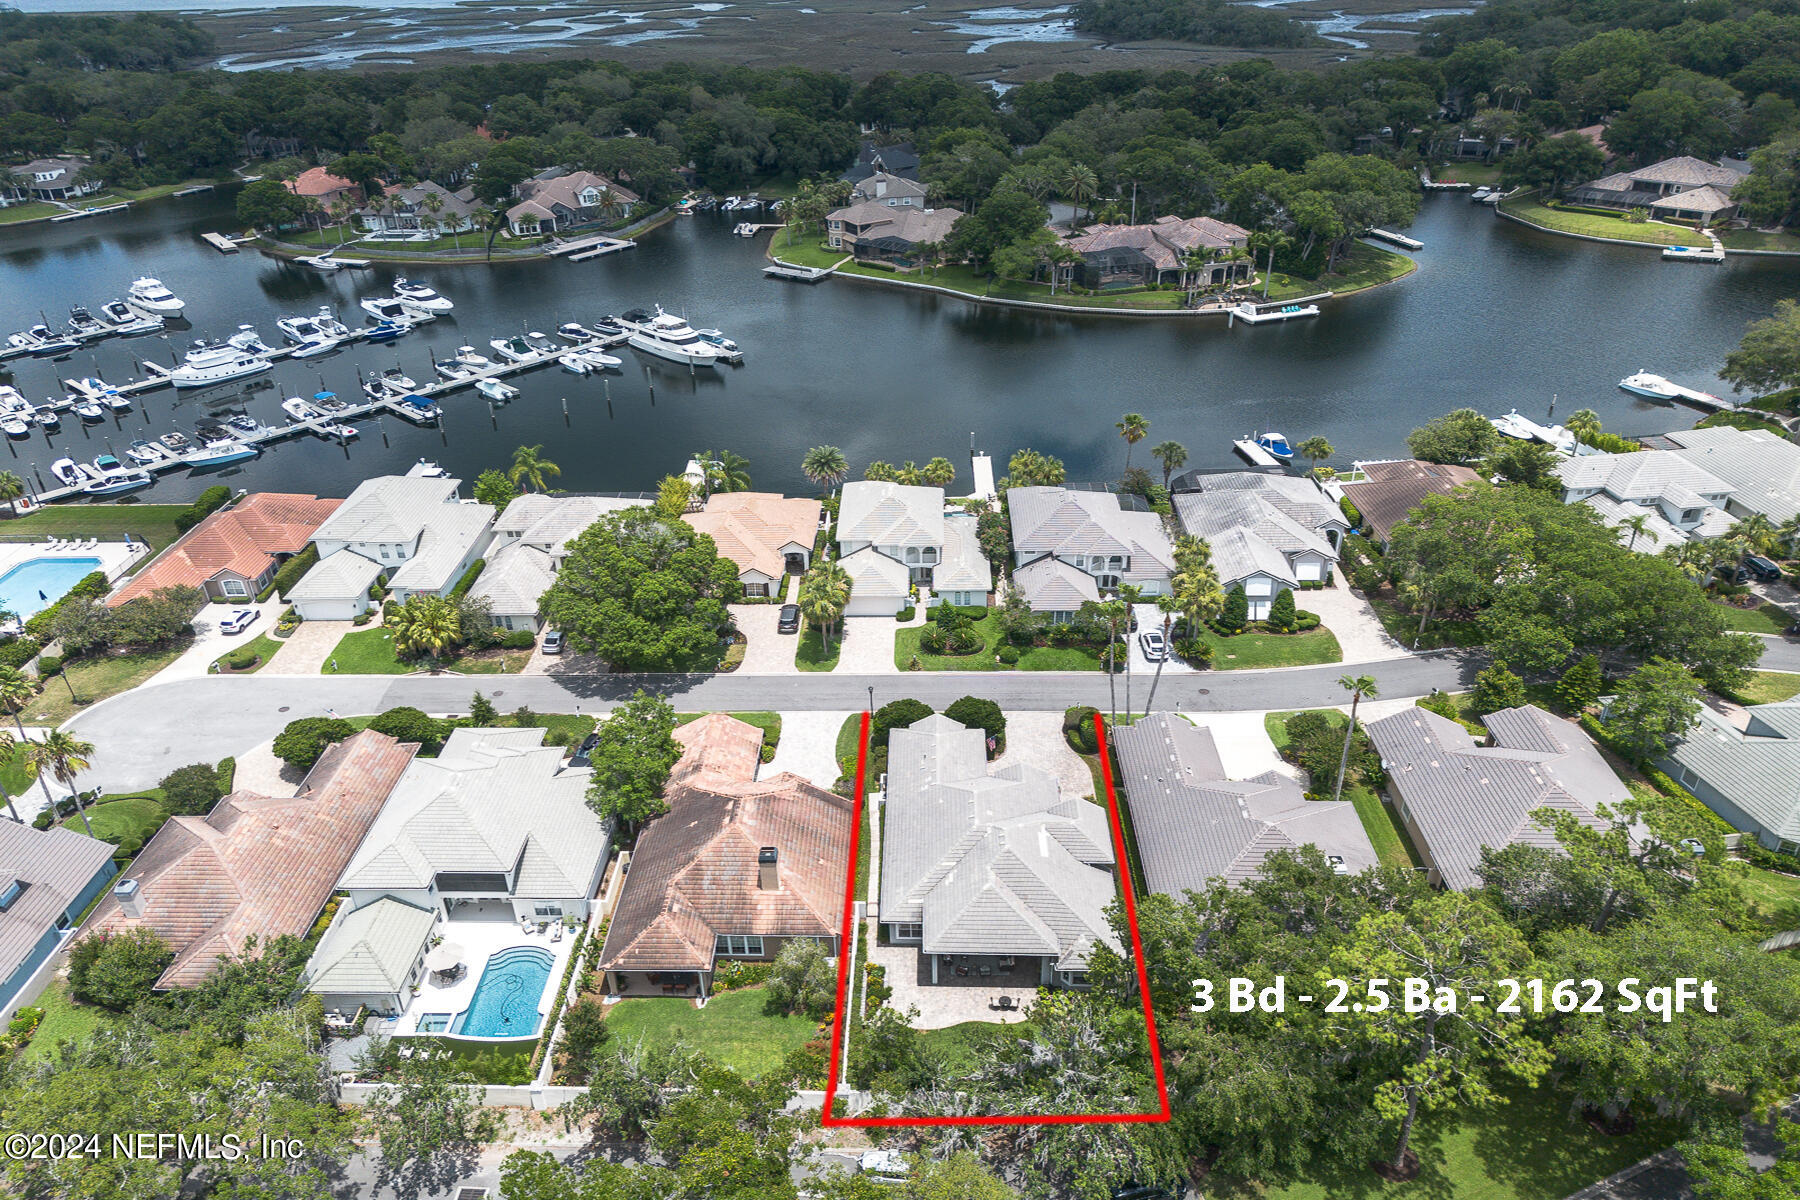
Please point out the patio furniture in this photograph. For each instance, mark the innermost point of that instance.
(962, 971)
(1007, 963)
(446, 958)
(556, 932)
(1005, 1004)
(986, 970)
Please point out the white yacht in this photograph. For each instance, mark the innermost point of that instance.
(574, 331)
(149, 296)
(143, 453)
(88, 410)
(249, 341)
(496, 392)
(575, 364)
(219, 453)
(450, 370)
(669, 337)
(467, 356)
(124, 321)
(314, 349)
(211, 362)
(514, 349)
(121, 480)
(1653, 387)
(16, 422)
(421, 295)
(301, 330)
(67, 472)
(396, 309)
(598, 358)
(300, 409)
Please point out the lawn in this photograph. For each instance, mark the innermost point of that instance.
(810, 653)
(1246, 650)
(1389, 837)
(1364, 266)
(849, 733)
(732, 1029)
(152, 523)
(1767, 687)
(137, 816)
(959, 1044)
(1478, 173)
(97, 678)
(1586, 224)
(1527, 1149)
(371, 652)
(64, 1020)
(1760, 239)
(1772, 896)
(1439, 632)
(1764, 618)
(1031, 658)
(32, 210)
(15, 776)
(262, 645)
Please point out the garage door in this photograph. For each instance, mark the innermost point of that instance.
(327, 610)
(872, 604)
(1310, 568)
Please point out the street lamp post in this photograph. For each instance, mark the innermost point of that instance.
(871, 699)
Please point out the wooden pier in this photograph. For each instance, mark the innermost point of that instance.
(220, 242)
(102, 210)
(782, 270)
(582, 249)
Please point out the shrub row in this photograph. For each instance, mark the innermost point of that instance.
(91, 586)
(290, 571)
(211, 501)
(556, 1006)
(1658, 778)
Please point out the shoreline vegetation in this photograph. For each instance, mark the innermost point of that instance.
(1591, 226)
(444, 251)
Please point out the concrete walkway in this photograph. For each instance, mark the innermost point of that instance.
(210, 643)
(306, 651)
(808, 747)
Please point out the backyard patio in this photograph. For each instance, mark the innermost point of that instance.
(444, 996)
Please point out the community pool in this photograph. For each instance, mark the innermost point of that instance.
(506, 997)
(37, 583)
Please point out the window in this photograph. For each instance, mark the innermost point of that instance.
(10, 895)
(738, 945)
(384, 552)
(909, 931)
(235, 587)
(548, 910)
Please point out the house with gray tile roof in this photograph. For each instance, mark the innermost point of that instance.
(1193, 824)
(870, 229)
(1746, 768)
(1091, 533)
(1457, 795)
(901, 522)
(1682, 188)
(990, 874)
(494, 827)
(550, 523)
(415, 529)
(370, 956)
(1269, 531)
(890, 190)
(965, 577)
(515, 578)
(1761, 468)
(48, 877)
(1680, 499)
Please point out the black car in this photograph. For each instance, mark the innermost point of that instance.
(1762, 568)
(584, 753)
(790, 619)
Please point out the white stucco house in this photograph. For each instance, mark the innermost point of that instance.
(531, 539)
(1269, 532)
(1070, 546)
(900, 522)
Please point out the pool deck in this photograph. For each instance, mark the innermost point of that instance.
(115, 557)
(481, 940)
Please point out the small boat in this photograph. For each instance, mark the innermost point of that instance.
(44, 342)
(243, 423)
(84, 326)
(540, 343)
(105, 463)
(90, 387)
(421, 296)
(1653, 387)
(115, 401)
(1480, 194)
(211, 432)
(495, 391)
(467, 357)
(426, 469)
(418, 409)
(88, 410)
(1513, 425)
(451, 370)
(1275, 444)
(514, 349)
(575, 364)
(321, 262)
(397, 309)
(342, 431)
(14, 424)
(47, 417)
(143, 453)
(314, 349)
(175, 441)
(574, 331)
(249, 341)
(713, 337)
(122, 321)
(398, 380)
(608, 327)
(328, 402)
(382, 332)
(122, 480)
(67, 472)
(219, 454)
(148, 295)
(598, 358)
(298, 409)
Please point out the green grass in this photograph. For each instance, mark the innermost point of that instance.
(97, 678)
(1364, 266)
(137, 816)
(15, 776)
(1527, 1149)
(1764, 618)
(32, 210)
(1773, 897)
(1767, 687)
(371, 652)
(1246, 650)
(152, 523)
(732, 1029)
(1440, 632)
(1758, 239)
(1739, 420)
(1478, 173)
(1392, 845)
(262, 645)
(506, 1063)
(810, 653)
(1528, 208)
(961, 1044)
(1031, 658)
(64, 1020)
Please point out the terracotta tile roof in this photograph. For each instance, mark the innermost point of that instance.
(1394, 489)
(257, 865)
(750, 528)
(694, 873)
(318, 182)
(243, 539)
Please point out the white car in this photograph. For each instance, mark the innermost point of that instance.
(237, 620)
(886, 1166)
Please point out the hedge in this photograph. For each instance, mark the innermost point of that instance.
(1350, 511)
(294, 568)
(468, 579)
(91, 586)
(562, 995)
(19, 651)
(1658, 778)
(211, 500)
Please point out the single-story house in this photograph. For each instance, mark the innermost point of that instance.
(234, 553)
(1384, 493)
(48, 877)
(320, 185)
(1456, 795)
(531, 539)
(1678, 499)
(1193, 824)
(558, 199)
(494, 828)
(1746, 769)
(990, 874)
(53, 179)
(370, 957)
(1680, 189)
(1084, 533)
(900, 522)
(737, 868)
(870, 229)
(1190, 252)
(767, 536)
(255, 866)
(1269, 532)
(890, 190)
(406, 209)
(964, 578)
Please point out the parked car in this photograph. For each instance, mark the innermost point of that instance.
(1762, 568)
(885, 1166)
(553, 642)
(790, 619)
(237, 620)
(584, 753)
(1155, 647)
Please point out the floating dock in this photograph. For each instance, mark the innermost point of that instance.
(1395, 239)
(102, 210)
(582, 249)
(1254, 453)
(220, 242)
(1262, 314)
(781, 270)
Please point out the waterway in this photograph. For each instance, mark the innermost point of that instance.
(1497, 316)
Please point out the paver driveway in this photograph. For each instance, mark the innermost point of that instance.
(767, 651)
(868, 646)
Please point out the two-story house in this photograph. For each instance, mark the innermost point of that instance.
(873, 229)
(531, 539)
(558, 198)
(1070, 546)
(55, 179)
(1269, 532)
(1677, 499)
(1192, 252)
(406, 209)
(889, 190)
(890, 538)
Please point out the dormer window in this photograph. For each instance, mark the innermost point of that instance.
(9, 896)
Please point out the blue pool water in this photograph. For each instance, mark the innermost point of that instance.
(37, 583)
(507, 995)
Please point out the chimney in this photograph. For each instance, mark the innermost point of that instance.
(130, 898)
(767, 878)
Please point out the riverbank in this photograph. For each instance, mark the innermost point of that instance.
(1364, 267)
(445, 250)
(41, 212)
(1617, 231)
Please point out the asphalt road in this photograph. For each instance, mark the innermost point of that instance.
(143, 734)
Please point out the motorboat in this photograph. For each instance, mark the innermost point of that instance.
(1513, 425)
(67, 472)
(209, 362)
(328, 402)
(211, 432)
(143, 453)
(105, 463)
(343, 431)
(301, 330)
(221, 453)
(421, 296)
(84, 326)
(1275, 444)
(382, 332)
(321, 262)
(300, 409)
(396, 309)
(14, 423)
(326, 322)
(243, 423)
(175, 441)
(575, 364)
(574, 331)
(249, 341)
(608, 327)
(122, 480)
(541, 344)
(467, 357)
(123, 321)
(90, 411)
(90, 387)
(314, 349)
(47, 417)
(1480, 194)
(497, 392)
(516, 350)
(418, 409)
(149, 296)
(667, 336)
(1653, 387)
(727, 348)
(598, 358)
(451, 370)
(40, 341)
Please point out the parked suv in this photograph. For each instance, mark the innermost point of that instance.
(553, 642)
(237, 620)
(790, 619)
(1762, 568)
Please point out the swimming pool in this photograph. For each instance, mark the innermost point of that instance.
(37, 583)
(507, 995)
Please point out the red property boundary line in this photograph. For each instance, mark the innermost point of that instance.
(1159, 1116)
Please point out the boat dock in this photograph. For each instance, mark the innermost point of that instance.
(1254, 453)
(102, 210)
(224, 243)
(582, 249)
(1395, 239)
(193, 191)
(781, 270)
(981, 466)
(1431, 185)
(1252, 313)
(1714, 254)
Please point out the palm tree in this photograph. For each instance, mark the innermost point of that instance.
(1274, 242)
(17, 689)
(11, 489)
(731, 472)
(1358, 686)
(1172, 455)
(1080, 183)
(1788, 532)
(1134, 429)
(909, 473)
(61, 756)
(434, 204)
(825, 466)
(429, 625)
(1638, 525)
(1313, 449)
(879, 471)
(1756, 533)
(938, 472)
(609, 203)
(1584, 424)
(529, 468)
(824, 594)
